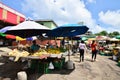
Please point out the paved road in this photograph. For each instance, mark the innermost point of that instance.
(103, 69)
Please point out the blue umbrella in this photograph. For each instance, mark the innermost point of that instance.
(75, 38)
(68, 30)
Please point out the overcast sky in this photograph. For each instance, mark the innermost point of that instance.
(98, 15)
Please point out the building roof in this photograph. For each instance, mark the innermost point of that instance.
(45, 20)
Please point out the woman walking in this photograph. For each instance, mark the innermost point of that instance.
(82, 49)
(94, 50)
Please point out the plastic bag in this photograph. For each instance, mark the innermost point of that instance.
(51, 66)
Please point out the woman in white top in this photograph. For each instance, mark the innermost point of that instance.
(82, 48)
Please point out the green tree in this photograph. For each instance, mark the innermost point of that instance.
(104, 33)
(115, 33)
(110, 35)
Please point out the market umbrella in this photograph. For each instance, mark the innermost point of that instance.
(76, 38)
(102, 38)
(2, 34)
(117, 37)
(114, 39)
(31, 38)
(28, 29)
(68, 30)
(9, 36)
(3, 30)
(84, 38)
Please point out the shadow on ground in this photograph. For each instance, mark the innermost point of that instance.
(9, 69)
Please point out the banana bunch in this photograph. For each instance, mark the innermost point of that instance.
(24, 54)
(40, 53)
(53, 51)
(37, 54)
(18, 54)
(13, 52)
(21, 54)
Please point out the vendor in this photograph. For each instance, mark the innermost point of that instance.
(35, 47)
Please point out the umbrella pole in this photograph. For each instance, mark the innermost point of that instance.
(69, 48)
(70, 64)
(68, 52)
(55, 42)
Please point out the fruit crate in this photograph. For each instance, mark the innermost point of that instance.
(58, 64)
(102, 53)
(43, 67)
(40, 66)
(118, 63)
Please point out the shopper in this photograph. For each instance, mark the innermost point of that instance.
(82, 49)
(94, 49)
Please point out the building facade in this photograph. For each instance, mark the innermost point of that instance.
(9, 16)
(49, 23)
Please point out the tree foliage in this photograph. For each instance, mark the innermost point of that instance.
(105, 33)
(102, 33)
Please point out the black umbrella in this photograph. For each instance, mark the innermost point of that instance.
(28, 29)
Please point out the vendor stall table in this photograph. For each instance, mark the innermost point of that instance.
(41, 65)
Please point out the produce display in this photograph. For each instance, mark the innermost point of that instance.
(18, 54)
(42, 53)
(53, 51)
(56, 50)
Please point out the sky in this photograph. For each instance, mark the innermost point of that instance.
(97, 15)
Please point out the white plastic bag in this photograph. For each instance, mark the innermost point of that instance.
(51, 66)
(22, 75)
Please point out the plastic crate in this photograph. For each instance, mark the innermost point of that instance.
(39, 66)
(118, 63)
(59, 63)
(33, 64)
(102, 54)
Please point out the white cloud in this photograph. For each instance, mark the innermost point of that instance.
(111, 18)
(61, 11)
(91, 1)
(97, 29)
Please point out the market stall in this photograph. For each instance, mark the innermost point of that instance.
(68, 30)
(45, 59)
(40, 60)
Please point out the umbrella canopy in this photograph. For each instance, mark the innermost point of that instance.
(28, 29)
(114, 39)
(74, 38)
(68, 30)
(3, 30)
(84, 38)
(102, 38)
(117, 37)
(9, 36)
